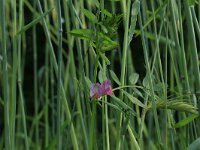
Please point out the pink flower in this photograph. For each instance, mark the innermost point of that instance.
(97, 90)
(94, 90)
(106, 87)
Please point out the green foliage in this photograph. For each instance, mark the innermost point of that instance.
(34, 22)
(51, 55)
(134, 12)
(185, 121)
(191, 2)
(134, 100)
(194, 145)
(133, 78)
(85, 34)
(175, 105)
(89, 15)
(101, 37)
(114, 77)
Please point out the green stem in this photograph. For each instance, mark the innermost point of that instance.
(5, 77)
(47, 86)
(21, 98)
(149, 79)
(60, 30)
(35, 80)
(123, 67)
(62, 92)
(193, 45)
(14, 77)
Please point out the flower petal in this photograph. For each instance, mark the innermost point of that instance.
(94, 90)
(106, 87)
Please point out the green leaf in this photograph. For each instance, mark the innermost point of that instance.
(145, 81)
(108, 47)
(152, 36)
(114, 77)
(191, 2)
(89, 15)
(105, 30)
(134, 100)
(106, 42)
(85, 34)
(137, 92)
(122, 104)
(102, 76)
(185, 121)
(134, 12)
(107, 13)
(105, 58)
(154, 15)
(112, 105)
(88, 82)
(195, 145)
(35, 21)
(133, 78)
(125, 125)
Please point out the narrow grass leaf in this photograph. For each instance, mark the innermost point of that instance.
(34, 22)
(123, 105)
(125, 125)
(156, 12)
(185, 121)
(112, 105)
(114, 77)
(134, 100)
(153, 36)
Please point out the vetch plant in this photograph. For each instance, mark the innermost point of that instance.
(97, 90)
(97, 86)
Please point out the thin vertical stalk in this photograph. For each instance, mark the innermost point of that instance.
(193, 44)
(157, 53)
(47, 96)
(46, 86)
(149, 79)
(93, 113)
(21, 98)
(35, 80)
(55, 65)
(105, 107)
(196, 24)
(60, 30)
(14, 76)
(80, 67)
(5, 78)
(123, 67)
(71, 66)
(185, 71)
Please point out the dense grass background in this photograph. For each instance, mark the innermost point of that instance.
(51, 51)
